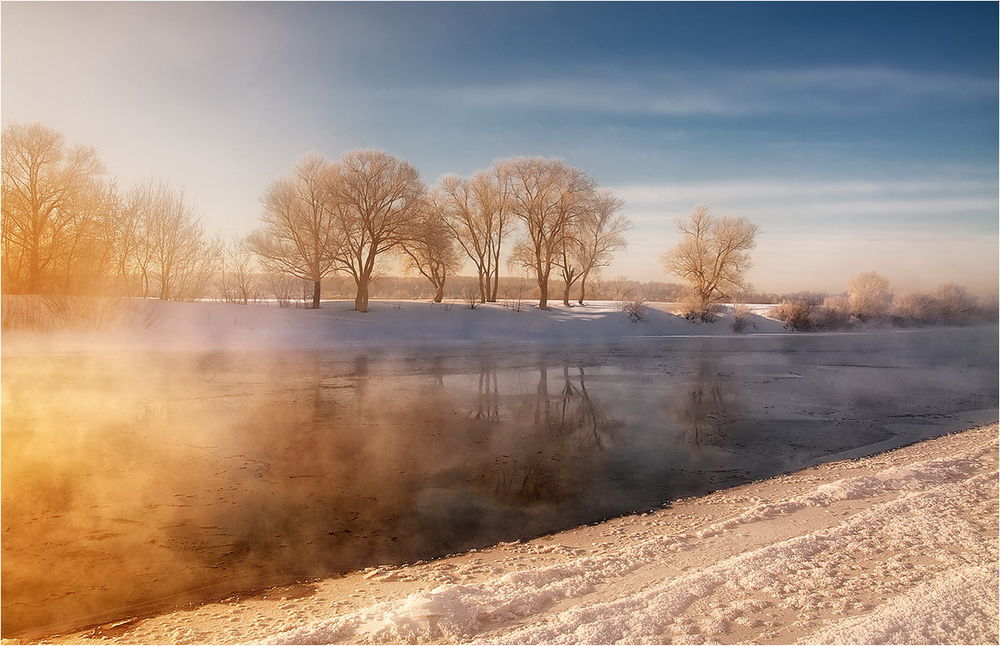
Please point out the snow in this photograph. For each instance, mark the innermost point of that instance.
(169, 326)
(899, 547)
(954, 608)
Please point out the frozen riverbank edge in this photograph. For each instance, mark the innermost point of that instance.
(157, 326)
(899, 547)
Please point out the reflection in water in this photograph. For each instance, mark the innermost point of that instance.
(189, 478)
(556, 451)
(702, 407)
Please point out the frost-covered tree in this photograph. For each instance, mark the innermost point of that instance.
(478, 213)
(302, 234)
(550, 198)
(429, 247)
(713, 256)
(375, 195)
(47, 189)
(868, 296)
(600, 235)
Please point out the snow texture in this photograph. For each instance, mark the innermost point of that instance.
(919, 538)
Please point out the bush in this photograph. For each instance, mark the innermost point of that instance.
(693, 310)
(636, 308)
(796, 314)
(915, 308)
(956, 304)
(741, 317)
(52, 313)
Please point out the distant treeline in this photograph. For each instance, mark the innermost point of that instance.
(510, 287)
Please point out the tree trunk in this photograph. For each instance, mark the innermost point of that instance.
(33, 268)
(566, 294)
(439, 294)
(484, 286)
(543, 293)
(316, 286)
(583, 287)
(496, 284)
(361, 299)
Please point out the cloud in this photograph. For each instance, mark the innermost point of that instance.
(932, 203)
(730, 92)
(750, 189)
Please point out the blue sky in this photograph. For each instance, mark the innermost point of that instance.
(857, 135)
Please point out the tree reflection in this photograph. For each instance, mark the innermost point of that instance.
(554, 440)
(702, 406)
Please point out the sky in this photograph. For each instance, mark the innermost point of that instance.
(858, 136)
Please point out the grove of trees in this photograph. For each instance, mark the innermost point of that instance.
(68, 228)
(346, 216)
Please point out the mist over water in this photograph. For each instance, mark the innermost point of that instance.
(132, 483)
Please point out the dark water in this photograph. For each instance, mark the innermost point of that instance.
(137, 483)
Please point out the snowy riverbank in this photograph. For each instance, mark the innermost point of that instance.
(217, 327)
(896, 548)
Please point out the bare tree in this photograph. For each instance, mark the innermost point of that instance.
(549, 197)
(376, 194)
(282, 287)
(43, 183)
(955, 303)
(429, 247)
(713, 255)
(179, 259)
(85, 262)
(238, 276)
(868, 296)
(302, 232)
(600, 236)
(478, 214)
(568, 261)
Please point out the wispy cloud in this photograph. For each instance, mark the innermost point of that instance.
(730, 92)
(745, 190)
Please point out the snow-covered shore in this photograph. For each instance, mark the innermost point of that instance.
(219, 327)
(900, 547)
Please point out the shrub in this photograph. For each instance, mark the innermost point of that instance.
(915, 307)
(796, 314)
(741, 317)
(956, 304)
(51, 313)
(636, 307)
(693, 310)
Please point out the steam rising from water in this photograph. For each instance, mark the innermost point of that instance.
(131, 482)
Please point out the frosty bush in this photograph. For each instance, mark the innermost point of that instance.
(50, 313)
(694, 310)
(636, 307)
(794, 314)
(741, 317)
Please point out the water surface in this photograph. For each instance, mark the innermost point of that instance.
(133, 483)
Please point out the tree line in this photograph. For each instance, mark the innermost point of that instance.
(67, 228)
(341, 217)
(870, 301)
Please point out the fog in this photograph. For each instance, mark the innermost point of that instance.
(134, 482)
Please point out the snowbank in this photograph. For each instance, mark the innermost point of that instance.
(899, 547)
(221, 327)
